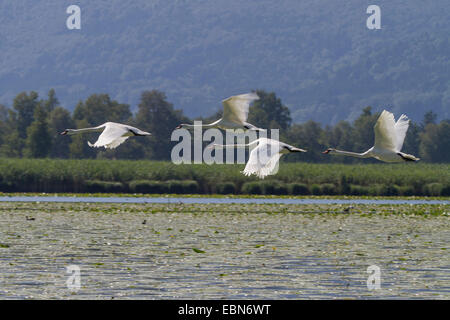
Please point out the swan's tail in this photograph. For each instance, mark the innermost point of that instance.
(408, 157)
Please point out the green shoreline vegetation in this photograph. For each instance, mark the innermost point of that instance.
(163, 177)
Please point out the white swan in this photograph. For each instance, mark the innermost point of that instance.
(235, 114)
(112, 136)
(263, 160)
(389, 137)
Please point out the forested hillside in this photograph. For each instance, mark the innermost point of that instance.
(318, 56)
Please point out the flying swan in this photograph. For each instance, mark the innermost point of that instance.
(389, 137)
(263, 160)
(235, 114)
(112, 136)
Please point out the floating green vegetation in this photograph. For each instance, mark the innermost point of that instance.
(218, 196)
(314, 210)
(251, 246)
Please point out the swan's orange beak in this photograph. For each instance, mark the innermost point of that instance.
(326, 152)
(64, 132)
(178, 127)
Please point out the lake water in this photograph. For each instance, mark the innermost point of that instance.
(206, 200)
(221, 251)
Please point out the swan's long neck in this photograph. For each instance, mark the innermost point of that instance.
(93, 129)
(352, 154)
(235, 145)
(200, 126)
(193, 126)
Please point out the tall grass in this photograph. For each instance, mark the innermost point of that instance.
(45, 175)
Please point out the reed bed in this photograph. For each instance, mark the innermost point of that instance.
(49, 175)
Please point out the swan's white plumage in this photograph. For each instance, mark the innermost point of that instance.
(235, 114)
(113, 134)
(385, 135)
(264, 158)
(390, 135)
(389, 138)
(401, 126)
(261, 168)
(235, 108)
(111, 137)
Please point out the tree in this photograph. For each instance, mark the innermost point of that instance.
(363, 132)
(11, 144)
(38, 142)
(4, 112)
(3, 122)
(307, 136)
(435, 142)
(52, 102)
(429, 118)
(269, 112)
(411, 144)
(59, 120)
(341, 137)
(156, 115)
(99, 108)
(24, 105)
(78, 146)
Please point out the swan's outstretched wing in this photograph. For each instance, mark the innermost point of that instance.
(111, 137)
(385, 135)
(235, 108)
(263, 160)
(401, 126)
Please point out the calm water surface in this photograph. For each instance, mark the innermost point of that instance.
(215, 200)
(216, 251)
